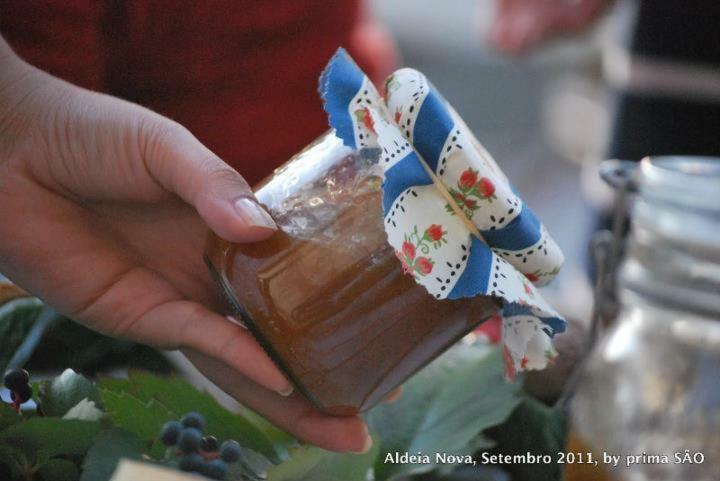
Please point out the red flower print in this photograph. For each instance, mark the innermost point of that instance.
(432, 238)
(409, 250)
(467, 179)
(486, 187)
(524, 362)
(434, 232)
(370, 124)
(491, 329)
(398, 114)
(532, 277)
(365, 117)
(424, 265)
(470, 191)
(405, 267)
(528, 291)
(510, 372)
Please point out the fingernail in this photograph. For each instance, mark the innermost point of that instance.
(286, 392)
(252, 214)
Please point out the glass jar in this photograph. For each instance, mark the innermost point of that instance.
(651, 388)
(326, 296)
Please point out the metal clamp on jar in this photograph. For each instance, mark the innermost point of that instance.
(650, 391)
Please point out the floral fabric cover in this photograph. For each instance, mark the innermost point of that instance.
(488, 243)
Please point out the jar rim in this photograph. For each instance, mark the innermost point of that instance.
(692, 181)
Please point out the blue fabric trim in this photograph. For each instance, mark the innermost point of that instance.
(345, 78)
(557, 324)
(432, 127)
(511, 309)
(407, 172)
(474, 279)
(522, 232)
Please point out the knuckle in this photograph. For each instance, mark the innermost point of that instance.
(219, 176)
(155, 133)
(220, 173)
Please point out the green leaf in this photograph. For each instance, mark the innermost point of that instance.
(57, 396)
(144, 419)
(108, 448)
(42, 438)
(180, 397)
(14, 459)
(277, 436)
(535, 428)
(85, 410)
(444, 408)
(308, 463)
(16, 320)
(8, 416)
(58, 469)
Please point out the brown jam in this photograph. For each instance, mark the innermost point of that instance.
(327, 298)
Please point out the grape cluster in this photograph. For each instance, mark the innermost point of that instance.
(198, 453)
(18, 383)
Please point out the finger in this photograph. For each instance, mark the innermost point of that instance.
(293, 414)
(579, 17)
(220, 195)
(526, 30)
(180, 323)
(511, 31)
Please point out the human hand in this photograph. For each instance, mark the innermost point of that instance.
(104, 208)
(522, 24)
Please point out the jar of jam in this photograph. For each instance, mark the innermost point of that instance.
(326, 296)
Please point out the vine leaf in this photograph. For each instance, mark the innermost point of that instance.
(40, 439)
(179, 397)
(444, 409)
(308, 463)
(57, 396)
(144, 419)
(108, 449)
(535, 428)
(58, 469)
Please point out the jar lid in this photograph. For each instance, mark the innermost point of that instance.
(674, 255)
(455, 222)
(685, 180)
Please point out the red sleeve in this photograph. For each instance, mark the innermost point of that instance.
(62, 37)
(241, 75)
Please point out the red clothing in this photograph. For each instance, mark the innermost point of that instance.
(240, 74)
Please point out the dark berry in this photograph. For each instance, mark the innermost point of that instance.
(215, 469)
(170, 433)
(16, 379)
(191, 462)
(230, 451)
(22, 394)
(193, 420)
(209, 444)
(189, 440)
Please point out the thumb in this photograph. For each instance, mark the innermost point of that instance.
(224, 200)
